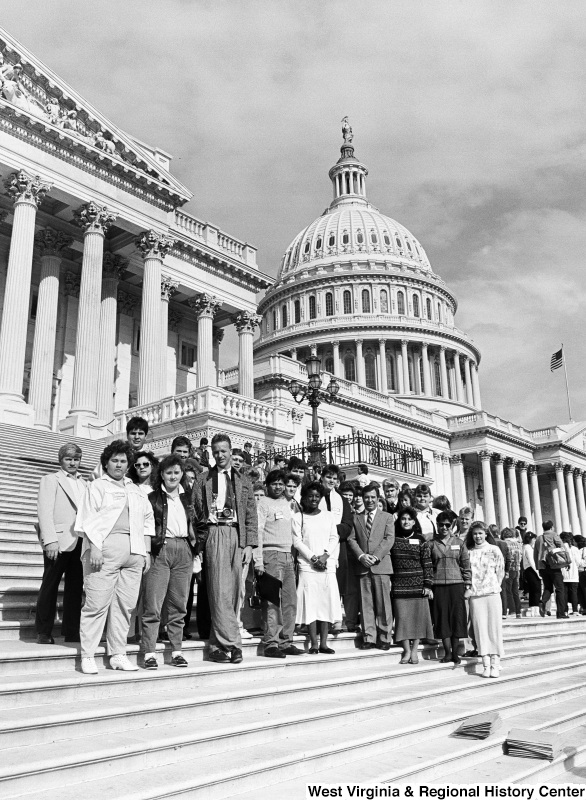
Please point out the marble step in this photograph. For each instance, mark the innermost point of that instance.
(11, 569)
(27, 536)
(15, 556)
(159, 762)
(18, 610)
(22, 629)
(15, 544)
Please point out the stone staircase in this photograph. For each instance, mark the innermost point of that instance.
(218, 731)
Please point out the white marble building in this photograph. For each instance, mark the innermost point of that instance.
(115, 301)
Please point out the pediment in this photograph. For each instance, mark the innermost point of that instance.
(29, 88)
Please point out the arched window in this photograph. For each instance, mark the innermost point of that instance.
(297, 311)
(318, 243)
(312, 308)
(437, 378)
(360, 237)
(370, 370)
(401, 304)
(274, 320)
(329, 364)
(399, 243)
(384, 301)
(329, 304)
(420, 376)
(332, 240)
(428, 306)
(439, 312)
(350, 368)
(306, 248)
(347, 302)
(365, 301)
(345, 238)
(409, 245)
(391, 378)
(386, 238)
(284, 317)
(415, 306)
(373, 237)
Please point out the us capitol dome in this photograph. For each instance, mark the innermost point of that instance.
(356, 288)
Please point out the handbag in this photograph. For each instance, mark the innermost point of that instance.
(556, 557)
(255, 600)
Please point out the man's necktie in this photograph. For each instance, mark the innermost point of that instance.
(328, 501)
(229, 502)
(369, 518)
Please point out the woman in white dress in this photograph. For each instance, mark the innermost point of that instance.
(315, 538)
(488, 570)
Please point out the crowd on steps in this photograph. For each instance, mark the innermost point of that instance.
(308, 550)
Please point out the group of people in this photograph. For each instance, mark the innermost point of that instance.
(390, 562)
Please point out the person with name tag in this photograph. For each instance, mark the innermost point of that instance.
(371, 541)
(550, 557)
(425, 513)
(274, 556)
(412, 585)
(451, 579)
(227, 530)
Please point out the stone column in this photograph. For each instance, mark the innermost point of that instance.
(113, 267)
(444, 372)
(246, 322)
(405, 363)
(525, 502)
(360, 370)
(50, 243)
(458, 376)
(382, 350)
(557, 509)
(205, 307)
(168, 289)
(126, 306)
(417, 370)
(489, 509)
(95, 221)
(217, 339)
(426, 375)
(573, 506)
(469, 394)
(439, 474)
(536, 499)
(337, 362)
(501, 491)
(400, 373)
(579, 485)
(154, 247)
(27, 192)
(294, 353)
(458, 481)
(476, 387)
(515, 513)
(559, 476)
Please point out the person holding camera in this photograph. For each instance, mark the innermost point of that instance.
(315, 538)
(274, 555)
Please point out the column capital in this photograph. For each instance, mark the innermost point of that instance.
(50, 242)
(498, 458)
(154, 245)
(127, 303)
(168, 287)
(218, 335)
(533, 469)
(359, 342)
(568, 469)
(558, 466)
(335, 345)
(424, 345)
(404, 342)
(113, 265)
(174, 320)
(93, 218)
(204, 305)
(456, 459)
(485, 455)
(23, 187)
(72, 283)
(382, 342)
(578, 472)
(437, 456)
(246, 321)
(510, 462)
(523, 466)
(442, 348)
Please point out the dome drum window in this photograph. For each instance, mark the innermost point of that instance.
(428, 307)
(312, 308)
(347, 302)
(329, 304)
(284, 317)
(366, 301)
(384, 301)
(400, 304)
(350, 368)
(297, 311)
(416, 310)
(360, 237)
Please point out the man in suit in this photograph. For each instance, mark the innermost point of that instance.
(371, 541)
(59, 496)
(227, 530)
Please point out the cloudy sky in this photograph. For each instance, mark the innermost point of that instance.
(468, 113)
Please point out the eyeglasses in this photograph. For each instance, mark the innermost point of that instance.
(142, 464)
(444, 525)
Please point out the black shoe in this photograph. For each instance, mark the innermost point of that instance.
(367, 646)
(471, 653)
(327, 651)
(274, 652)
(432, 642)
(236, 656)
(292, 651)
(130, 640)
(150, 663)
(384, 646)
(220, 657)
(447, 659)
(542, 609)
(178, 661)
(42, 639)
(187, 636)
(163, 636)
(456, 659)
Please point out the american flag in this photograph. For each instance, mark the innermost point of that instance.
(557, 360)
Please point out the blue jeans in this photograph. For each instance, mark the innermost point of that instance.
(279, 621)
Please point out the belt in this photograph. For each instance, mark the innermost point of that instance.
(222, 524)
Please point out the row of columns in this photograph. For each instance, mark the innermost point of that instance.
(95, 344)
(468, 392)
(523, 496)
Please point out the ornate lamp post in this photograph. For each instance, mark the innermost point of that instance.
(314, 395)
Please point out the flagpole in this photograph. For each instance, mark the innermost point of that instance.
(567, 387)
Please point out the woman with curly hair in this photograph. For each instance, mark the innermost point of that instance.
(115, 521)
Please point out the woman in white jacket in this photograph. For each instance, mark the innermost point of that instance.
(116, 522)
(570, 573)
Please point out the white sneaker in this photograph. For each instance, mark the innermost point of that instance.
(122, 662)
(244, 634)
(88, 665)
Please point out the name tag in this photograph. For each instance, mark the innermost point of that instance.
(414, 541)
(278, 515)
(454, 547)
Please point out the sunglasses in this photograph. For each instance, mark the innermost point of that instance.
(444, 524)
(141, 464)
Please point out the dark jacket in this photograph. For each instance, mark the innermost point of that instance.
(245, 507)
(158, 500)
(451, 561)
